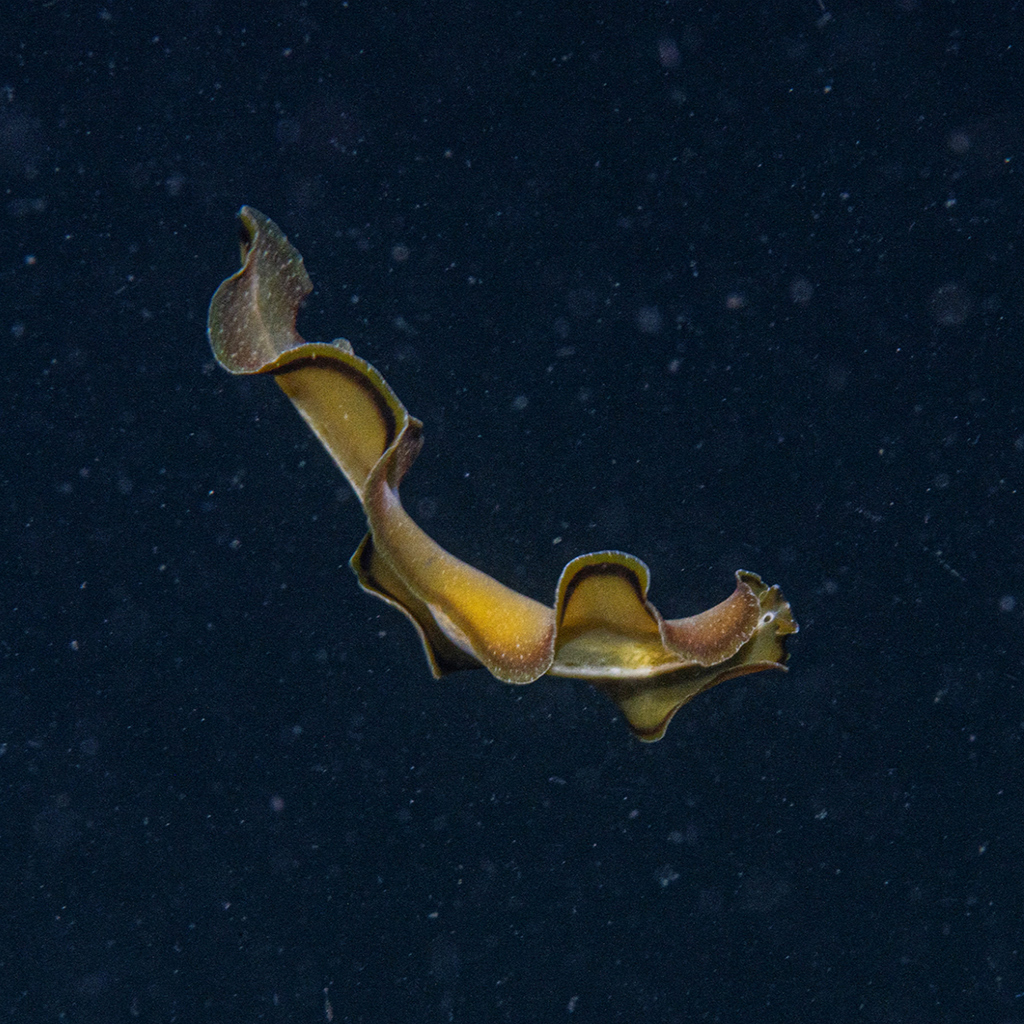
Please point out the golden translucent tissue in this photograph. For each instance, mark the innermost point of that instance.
(602, 628)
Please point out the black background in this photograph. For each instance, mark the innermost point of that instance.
(723, 285)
